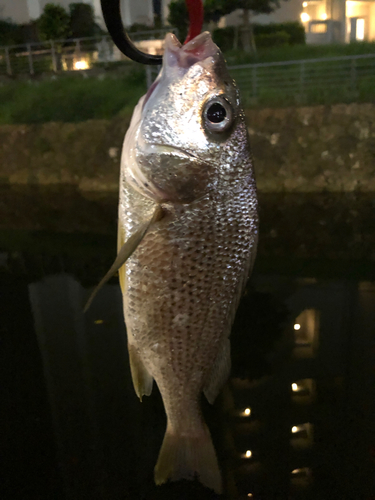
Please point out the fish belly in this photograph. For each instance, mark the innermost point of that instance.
(182, 286)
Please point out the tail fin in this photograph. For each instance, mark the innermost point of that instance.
(184, 457)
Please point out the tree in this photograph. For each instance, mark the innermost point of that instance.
(178, 15)
(82, 20)
(250, 8)
(10, 33)
(54, 23)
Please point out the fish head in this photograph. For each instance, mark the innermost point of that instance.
(187, 125)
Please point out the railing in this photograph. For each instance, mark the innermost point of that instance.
(74, 54)
(310, 81)
(328, 80)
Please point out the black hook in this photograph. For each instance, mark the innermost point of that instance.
(112, 18)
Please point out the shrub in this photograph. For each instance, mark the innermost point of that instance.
(266, 35)
(224, 38)
(295, 30)
(10, 33)
(277, 39)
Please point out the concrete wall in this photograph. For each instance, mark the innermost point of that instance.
(296, 150)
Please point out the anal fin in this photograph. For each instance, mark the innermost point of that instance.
(219, 372)
(142, 380)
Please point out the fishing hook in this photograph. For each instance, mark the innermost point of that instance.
(112, 18)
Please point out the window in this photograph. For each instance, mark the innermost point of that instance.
(306, 328)
(317, 27)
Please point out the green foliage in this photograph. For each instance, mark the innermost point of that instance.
(82, 20)
(54, 23)
(224, 37)
(257, 6)
(139, 27)
(295, 30)
(278, 39)
(178, 17)
(296, 52)
(70, 98)
(266, 35)
(10, 33)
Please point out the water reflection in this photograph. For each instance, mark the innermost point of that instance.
(295, 421)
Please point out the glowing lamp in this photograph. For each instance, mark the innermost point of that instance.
(81, 65)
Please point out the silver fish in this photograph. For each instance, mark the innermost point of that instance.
(186, 154)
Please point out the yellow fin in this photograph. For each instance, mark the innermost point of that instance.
(126, 251)
(186, 457)
(219, 372)
(142, 380)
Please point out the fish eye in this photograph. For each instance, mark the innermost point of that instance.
(218, 114)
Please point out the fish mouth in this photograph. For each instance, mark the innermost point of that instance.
(185, 56)
(147, 148)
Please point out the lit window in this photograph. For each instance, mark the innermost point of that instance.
(306, 325)
(303, 390)
(302, 434)
(360, 29)
(318, 27)
(301, 476)
(303, 471)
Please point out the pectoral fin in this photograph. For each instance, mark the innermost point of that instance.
(219, 372)
(142, 380)
(126, 251)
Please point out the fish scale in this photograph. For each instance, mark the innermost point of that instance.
(182, 284)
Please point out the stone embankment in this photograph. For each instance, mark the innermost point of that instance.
(296, 150)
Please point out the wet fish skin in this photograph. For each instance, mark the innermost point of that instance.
(182, 285)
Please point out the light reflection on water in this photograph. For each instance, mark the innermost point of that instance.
(295, 421)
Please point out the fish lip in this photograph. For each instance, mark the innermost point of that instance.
(147, 148)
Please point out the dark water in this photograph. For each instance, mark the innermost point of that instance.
(71, 424)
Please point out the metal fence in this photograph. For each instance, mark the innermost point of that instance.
(331, 79)
(74, 54)
(311, 81)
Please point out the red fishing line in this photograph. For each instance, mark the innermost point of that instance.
(195, 10)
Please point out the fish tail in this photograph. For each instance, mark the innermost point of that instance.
(184, 456)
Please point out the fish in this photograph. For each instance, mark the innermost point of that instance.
(188, 200)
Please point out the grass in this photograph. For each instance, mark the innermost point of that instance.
(297, 52)
(70, 98)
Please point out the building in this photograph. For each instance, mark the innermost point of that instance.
(339, 21)
(25, 11)
(325, 21)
